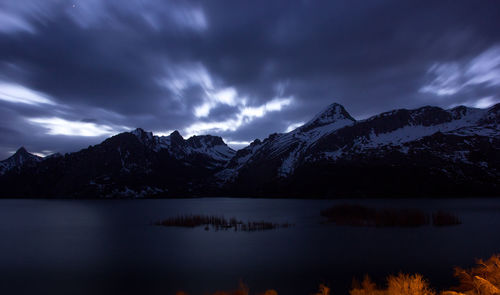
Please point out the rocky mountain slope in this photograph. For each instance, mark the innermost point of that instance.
(130, 164)
(423, 152)
(19, 159)
(427, 151)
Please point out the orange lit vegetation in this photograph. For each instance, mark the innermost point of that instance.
(220, 223)
(402, 284)
(323, 290)
(483, 279)
(357, 215)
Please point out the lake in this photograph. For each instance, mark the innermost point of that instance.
(110, 246)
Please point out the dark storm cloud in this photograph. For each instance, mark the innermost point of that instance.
(74, 72)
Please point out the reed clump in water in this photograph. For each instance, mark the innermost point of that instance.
(442, 218)
(220, 223)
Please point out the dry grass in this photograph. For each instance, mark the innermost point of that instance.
(405, 284)
(402, 284)
(220, 223)
(483, 279)
(323, 290)
(366, 287)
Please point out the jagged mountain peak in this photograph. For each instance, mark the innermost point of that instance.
(422, 116)
(256, 142)
(175, 134)
(205, 140)
(493, 115)
(142, 135)
(333, 113)
(18, 159)
(22, 155)
(457, 145)
(211, 147)
(495, 107)
(22, 152)
(176, 138)
(461, 111)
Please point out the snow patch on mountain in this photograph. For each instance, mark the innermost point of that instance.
(210, 146)
(463, 124)
(333, 113)
(20, 158)
(288, 148)
(304, 139)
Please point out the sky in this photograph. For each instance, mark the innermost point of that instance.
(74, 72)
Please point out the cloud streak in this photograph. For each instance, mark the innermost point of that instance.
(16, 93)
(60, 126)
(72, 73)
(451, 78)
(245, 116)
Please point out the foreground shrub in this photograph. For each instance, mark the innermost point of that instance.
(402, 284)
(323, 290)
(405, 284)
(366, 287)
(483, 279)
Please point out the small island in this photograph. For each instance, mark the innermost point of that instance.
(220, 223)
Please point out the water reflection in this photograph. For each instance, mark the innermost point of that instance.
(108, 247)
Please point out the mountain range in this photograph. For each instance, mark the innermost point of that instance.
(425, 152)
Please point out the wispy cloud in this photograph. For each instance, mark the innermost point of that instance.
(453, 77)
(60, 126)
(486, 102)
(294, 126)
(245, 115)
(17, 93)
(10, 23)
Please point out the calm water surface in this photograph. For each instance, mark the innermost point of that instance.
(110, 246)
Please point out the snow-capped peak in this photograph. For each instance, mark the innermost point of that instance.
(211, 146)
(396, 129)
(333, 113)
(289, 147)
(205, 141)
(22, 152)
(142, 135)
(18, 159)
(176, 137)
(22, 155)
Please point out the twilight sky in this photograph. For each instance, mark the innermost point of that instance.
(73, 72)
